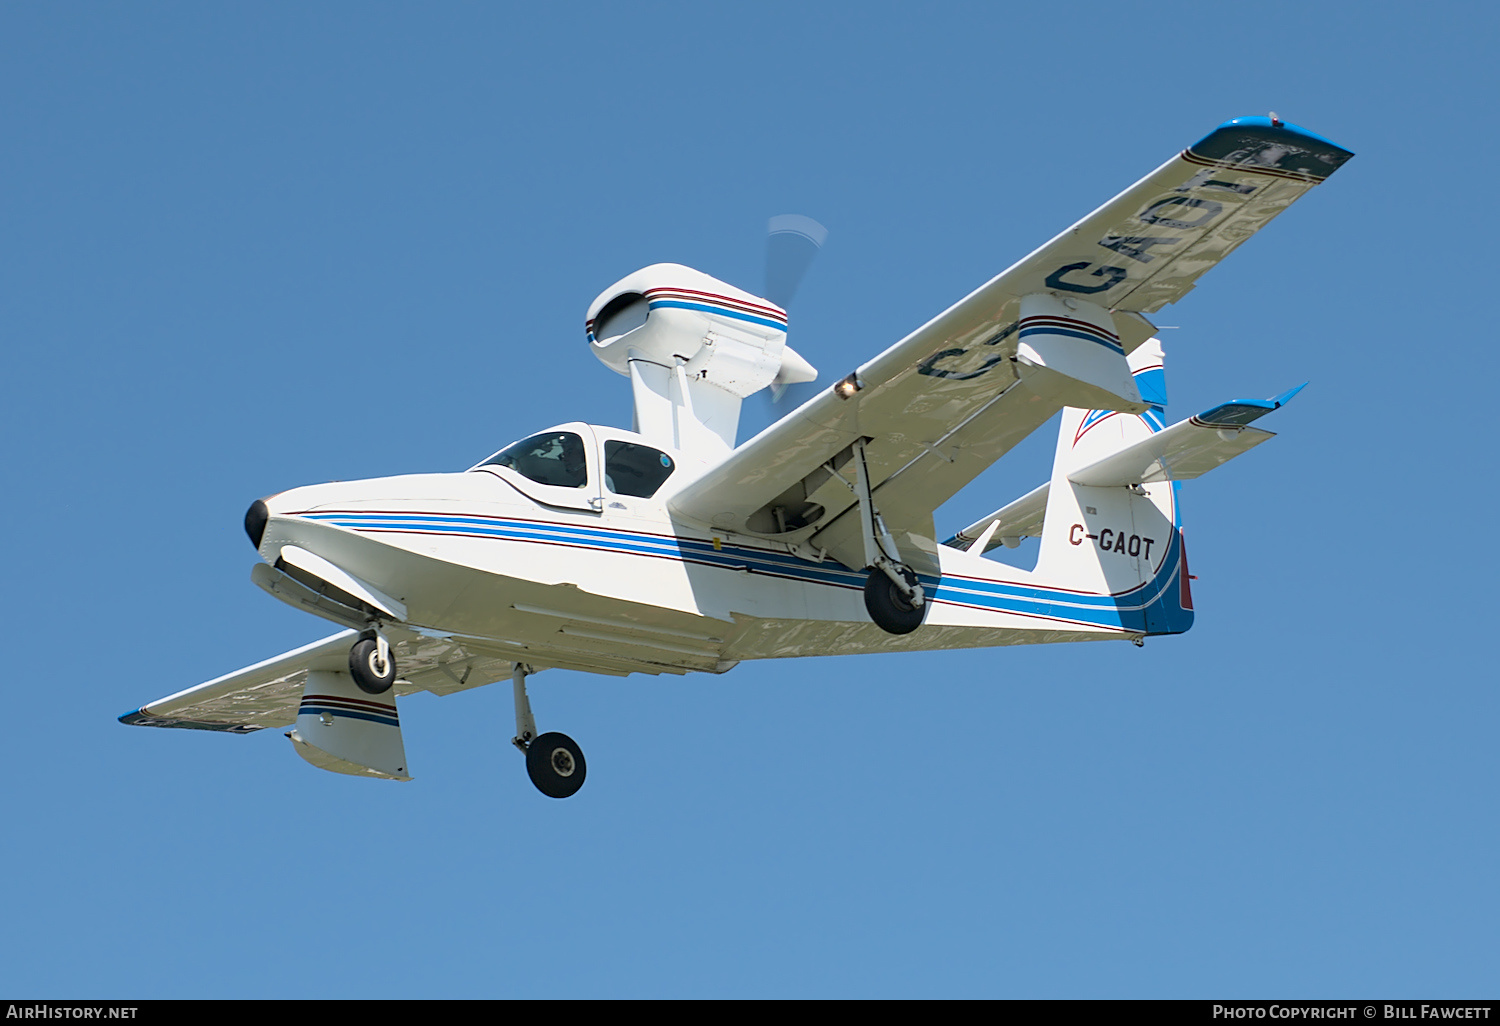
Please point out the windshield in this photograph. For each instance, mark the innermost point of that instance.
(638, 470)
(554, 458)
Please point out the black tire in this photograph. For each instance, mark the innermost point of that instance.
(362, 658)
(554, 762)
(889, 608)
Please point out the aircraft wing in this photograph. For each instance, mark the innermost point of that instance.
(945, 403)
(268, 693)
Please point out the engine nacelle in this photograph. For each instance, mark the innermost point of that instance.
(693, 347)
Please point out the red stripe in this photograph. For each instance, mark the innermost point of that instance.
(774, 312)
(357, 703)
(1044, 320)
(715, 295)
(1085, 430)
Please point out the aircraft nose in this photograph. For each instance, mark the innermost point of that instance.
(255, 521)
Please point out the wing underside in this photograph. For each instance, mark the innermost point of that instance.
(268, 694)
(946, 402)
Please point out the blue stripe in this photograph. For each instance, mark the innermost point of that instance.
(1125, 611)
(1153, 418)
(728, 558)
(389, 721)
(1093, 417)
(1152, 384)
(723, 311)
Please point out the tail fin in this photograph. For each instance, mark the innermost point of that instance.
(1120, 541)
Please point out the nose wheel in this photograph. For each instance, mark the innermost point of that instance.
(554, 762)
(372, 664)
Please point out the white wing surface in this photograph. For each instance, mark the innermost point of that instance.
(944, 403)
(268, 693)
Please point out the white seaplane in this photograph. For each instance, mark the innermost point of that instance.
(669, 548)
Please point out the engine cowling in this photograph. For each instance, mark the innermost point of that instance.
(694, 343)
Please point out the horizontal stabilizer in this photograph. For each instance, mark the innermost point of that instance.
(1013, 521)
(1187, 449)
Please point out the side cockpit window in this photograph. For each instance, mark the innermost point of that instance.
(631, 469)
(554, 458)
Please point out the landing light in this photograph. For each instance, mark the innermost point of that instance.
(846, 388)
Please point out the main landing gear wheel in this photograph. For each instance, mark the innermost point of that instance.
(555, 764)
(889, 608)
(373, 675)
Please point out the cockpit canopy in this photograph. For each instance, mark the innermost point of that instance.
(558, 458)
(550, 458)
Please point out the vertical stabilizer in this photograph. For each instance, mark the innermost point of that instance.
(1123, 541)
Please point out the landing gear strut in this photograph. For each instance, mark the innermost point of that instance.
(893, 595)
(554, 762)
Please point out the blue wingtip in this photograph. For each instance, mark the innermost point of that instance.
(1271, 146)
(1242, 411)
(1280, 126)
(1277, 402)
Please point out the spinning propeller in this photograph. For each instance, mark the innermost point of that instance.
(792, 242)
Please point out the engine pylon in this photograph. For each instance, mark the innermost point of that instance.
(693, 347)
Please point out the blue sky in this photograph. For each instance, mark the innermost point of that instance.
(248, 247)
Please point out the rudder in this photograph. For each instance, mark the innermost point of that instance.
(1125, 542)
